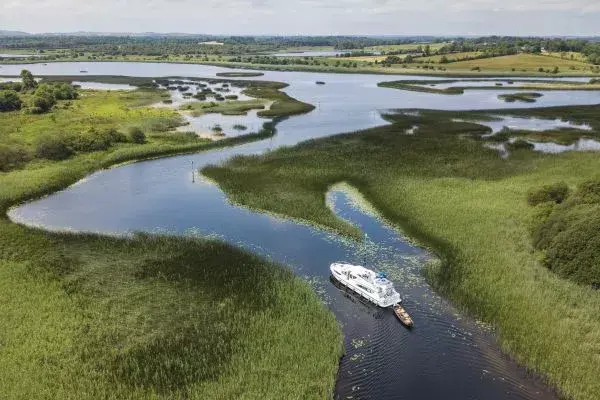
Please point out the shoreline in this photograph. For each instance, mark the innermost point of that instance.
(361, 71)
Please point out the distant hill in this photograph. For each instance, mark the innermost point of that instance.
(13, 33)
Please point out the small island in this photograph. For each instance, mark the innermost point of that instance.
(526, 97)
(239, 74)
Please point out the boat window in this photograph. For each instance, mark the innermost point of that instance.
(365, 289)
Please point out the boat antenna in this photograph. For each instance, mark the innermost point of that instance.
(365, 249)
(193, 173)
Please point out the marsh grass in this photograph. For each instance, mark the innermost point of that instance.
(421, 85)
(234, 107)
(416, 88)
(155, 316)
(87, 316)
(282, 104)
(466, 203)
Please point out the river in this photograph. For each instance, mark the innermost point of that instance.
(446, 355)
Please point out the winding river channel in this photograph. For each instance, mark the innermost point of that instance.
(446, 355)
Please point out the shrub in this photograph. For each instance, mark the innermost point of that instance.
(571, 242)
(570, 236)
(53, 149)
(9, 100)
(12, 157)
(16, 86)
(114, 136)
(556, 193)
(93, 141)
(43, 99)
(64, 91)
(589, 193)
(136, 135)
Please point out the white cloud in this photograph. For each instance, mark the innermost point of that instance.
(543, 17)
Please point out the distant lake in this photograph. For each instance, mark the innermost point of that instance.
(2, 55)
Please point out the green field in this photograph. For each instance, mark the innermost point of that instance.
(445, 189)
(452, 57)
(88, 316)
(521, 62)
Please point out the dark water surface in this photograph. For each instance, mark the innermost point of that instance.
(445, 356)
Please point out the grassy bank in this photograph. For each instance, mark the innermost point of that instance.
(282, 104)
(88, 316)
(444, 188)
(363, 67)
(417, 88)
(519, 84)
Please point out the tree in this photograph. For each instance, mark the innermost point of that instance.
(444, 60)
(43, 99)
(29, 82)
(9, 100)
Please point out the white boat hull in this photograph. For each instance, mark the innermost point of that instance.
(340, 272)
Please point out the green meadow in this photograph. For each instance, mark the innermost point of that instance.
(470, 206)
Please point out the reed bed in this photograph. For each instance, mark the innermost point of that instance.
(449, 192)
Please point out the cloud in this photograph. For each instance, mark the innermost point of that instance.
(542, 17)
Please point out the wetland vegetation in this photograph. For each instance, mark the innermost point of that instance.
(456, 86)
(524, 97)
(144, 316)
(469, 205)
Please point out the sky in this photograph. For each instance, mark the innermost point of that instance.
(306, 17)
